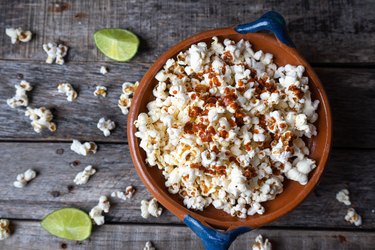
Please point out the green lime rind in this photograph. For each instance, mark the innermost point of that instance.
(118, 44)
(68, 223)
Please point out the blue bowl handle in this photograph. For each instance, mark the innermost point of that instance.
(214, 239)
(271, 21)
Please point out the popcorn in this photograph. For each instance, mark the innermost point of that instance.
(84, 176)
(352, 217)
(18, 35)
(56, 53)
(4, 229)
(103, 70)
(226, 126)
(343, 197)
(20, 99)
(125, 99)
(150, 208)
(260, 244)
(106, 126)
(83, 149)
(68, 90)
(96, 212)
(129, 191)
(23, 179)
(149, 246)
(100, 91)
(41, 118)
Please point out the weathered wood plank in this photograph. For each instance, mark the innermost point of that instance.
(54, 188)
(350, 91)
(29, 235)
(324, 31)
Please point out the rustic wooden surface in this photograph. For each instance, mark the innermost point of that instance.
(337, 37)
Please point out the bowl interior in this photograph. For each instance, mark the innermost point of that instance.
(293, 192)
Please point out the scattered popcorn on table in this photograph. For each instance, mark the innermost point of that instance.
(352, 217)
(84, 176)
(343, 197)
(125, 100)
(41, 118)
(149, 246)
(106, 126)
(4, 229)
(83, 148)
(100, 91)
(260, 244)
(23, 179)
(129, 191)
(103, 70)
(68, 90)
(227, 125)
(150, 208)
(18, 35)
(56, 53)
(20, 99)
(96, 212)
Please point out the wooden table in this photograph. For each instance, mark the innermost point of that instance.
(336, 37)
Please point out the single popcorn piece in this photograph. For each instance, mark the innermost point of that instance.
(227, 126)
(261, 245)
(96, 212)
(106, 126)
(23, 179)
(352, 217)
(129, 191)
(4, 229)
(41, 118)
(83, 148)
(84, 176)
(125, 100)
(55, 53)
(343, 197)
(150, 208)
(20, 99)
(18, 35)
(68, 90)
(100, 91)
(149, 246)
(103, 70)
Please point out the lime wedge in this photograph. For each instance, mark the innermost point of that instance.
(118, 44)
(68, 223)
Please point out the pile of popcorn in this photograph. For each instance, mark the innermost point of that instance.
(227, 126)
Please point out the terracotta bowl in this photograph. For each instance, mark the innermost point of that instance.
(293, 194)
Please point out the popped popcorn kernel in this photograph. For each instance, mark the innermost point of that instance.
(21, 98)
(55, 53)
(96, 212)
(149, 246)
(23, 179)
(129, 191)
(343, 197)
(40, 118)
(84, 176)
(68, 90)
(4, 229)
(226, 126)
(83, 148)
(18, 35)
(126, 97)
(353, 217)
(150, 208)
(106, 126)
(260, 244)
(100, 91)
(103, 70)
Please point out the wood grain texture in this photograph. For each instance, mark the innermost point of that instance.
(29, 235)
(324, 31)
(347, 88)
(54, 188)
